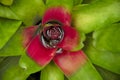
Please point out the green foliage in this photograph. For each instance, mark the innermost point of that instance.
(107, 75)
(77, 2)
(80, 45)
(88, 18)
(108, 38)
(105, 59)
(9, 69)
(28, 64)
(29, 11)
(86, 72)
(96, 16)
(66, 3)
(6, 2)
(51, 72)
(14, 45)
(6, 12)
(7, 29)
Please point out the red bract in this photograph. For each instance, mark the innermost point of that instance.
(70, 62)
(57, 14)
(28, 34)
(55, 41)
(39, 53)
(70, 40)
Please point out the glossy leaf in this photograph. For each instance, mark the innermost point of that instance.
(7, 29)
(51, 72)
(88, 1)
(55, 13)
(6, 12)
(2, 58)
(108, 39)
(80, 45)
(6, 2)
(77, 2)
(107, 75)
(86, 72)
(104, 59)
(29, 11)
(65, 3)
(93, 16)
(9, 69)
(76, 66)
(73, 60)
(28, 64)
(70, 40)
(28, 34)
(40, 54)
(14, 45)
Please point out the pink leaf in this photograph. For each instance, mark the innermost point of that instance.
(59, 14)
(39, 53)
(27, 34)
(70, 40)
(70, 62)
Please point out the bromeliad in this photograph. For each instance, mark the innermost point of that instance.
(55, 39)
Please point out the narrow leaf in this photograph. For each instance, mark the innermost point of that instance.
(88, 1)
(7, 29)
(6, 12)
(40, 54)
(93, 16)
(77, 2)
(29, 11)
(76, 66)
(65, 3)
(106, 74)
(86, 72)
(28, 64)
(14, 45)
(104, 59)
(6, 2)
(108, 39)
(51, 72)
(9, 70)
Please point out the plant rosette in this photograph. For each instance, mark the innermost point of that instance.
(55, 39)
(75, 38)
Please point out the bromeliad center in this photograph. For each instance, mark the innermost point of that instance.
(52, 34)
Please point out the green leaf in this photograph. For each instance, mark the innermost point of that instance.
(89, 1)
(29, 11)
(28, 64)
(93, 16)
(5, 12)
(108, 38)
(77, 2)
(2, 58)
(104, 59)
(80, 44)
(65, 3)
(51, 72)
(86, 72)
(9, 70)
(6, 2)
(14, 45)
(107, 75)
(7, 29)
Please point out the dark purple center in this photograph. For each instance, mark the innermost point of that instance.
(52, 34)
